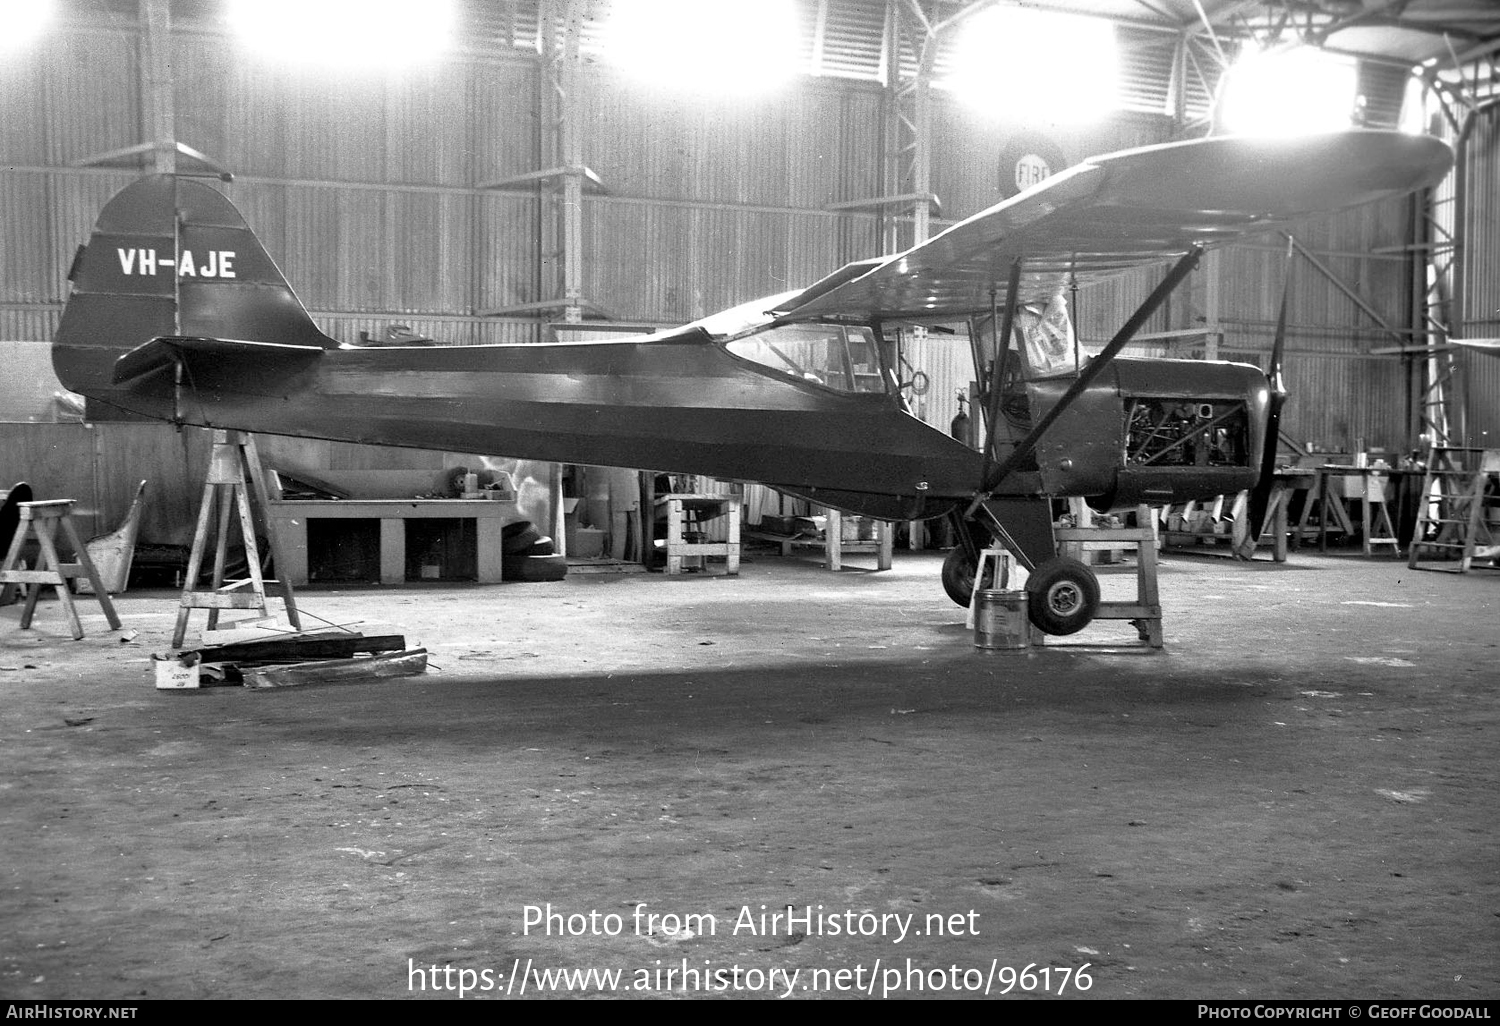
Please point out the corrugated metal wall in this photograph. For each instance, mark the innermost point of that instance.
(967, 143)
(1480, 374)
(1340, 393)
(966, 176)
(364, 188)
(100, 465)
(712, 203)
(361, 186)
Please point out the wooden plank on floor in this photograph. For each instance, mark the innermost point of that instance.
(301, 648)
(411, 663)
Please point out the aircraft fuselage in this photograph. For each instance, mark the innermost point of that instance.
(684, 404)
(177, 312)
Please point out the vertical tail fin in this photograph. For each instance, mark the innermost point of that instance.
(170, 257)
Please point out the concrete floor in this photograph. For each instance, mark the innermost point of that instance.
(1296, 798)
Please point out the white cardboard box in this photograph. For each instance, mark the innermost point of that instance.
(172, 675)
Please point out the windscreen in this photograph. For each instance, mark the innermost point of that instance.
(838, 356)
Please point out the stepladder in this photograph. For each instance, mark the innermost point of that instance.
(42, 520)
(1455, 526)
(997, 568)
(234, 473)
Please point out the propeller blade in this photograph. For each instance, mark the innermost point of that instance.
(1278, 345)
(1260, 497)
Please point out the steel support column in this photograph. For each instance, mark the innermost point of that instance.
(560, 183)
(1444, 217)
(560, 225)
(156, 83)
(912, 39)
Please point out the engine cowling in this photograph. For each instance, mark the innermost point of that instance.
(1155, 432)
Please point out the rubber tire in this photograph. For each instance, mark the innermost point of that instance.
(958, 576)
(535, 568)
(517, 542)
(1062, 596)
(542, 547)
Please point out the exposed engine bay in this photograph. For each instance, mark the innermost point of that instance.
(1176, 432)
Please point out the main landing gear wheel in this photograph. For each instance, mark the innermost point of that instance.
(958, 576)
(1062, 596)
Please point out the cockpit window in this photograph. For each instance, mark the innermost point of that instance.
(1044, 338)
(1051, 345)
(838, 356)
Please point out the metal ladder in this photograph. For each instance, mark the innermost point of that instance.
(1461, 483)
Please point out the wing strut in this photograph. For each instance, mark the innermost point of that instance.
(994, 477)
(1002, 343)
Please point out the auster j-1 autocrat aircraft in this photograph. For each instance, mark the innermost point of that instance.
(177, 312)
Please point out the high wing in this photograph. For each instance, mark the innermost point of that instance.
(1122, 210)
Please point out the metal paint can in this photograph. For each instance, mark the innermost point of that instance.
(1000, 620)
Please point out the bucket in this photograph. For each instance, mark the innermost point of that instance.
(1000, 620)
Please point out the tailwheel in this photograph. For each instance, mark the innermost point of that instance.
(1062, 596)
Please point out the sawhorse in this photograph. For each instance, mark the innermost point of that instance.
(42, 519)
(1275, 525)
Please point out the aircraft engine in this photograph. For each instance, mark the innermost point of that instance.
(1161, 431)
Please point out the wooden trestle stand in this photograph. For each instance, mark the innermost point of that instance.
(43, 520)
(233, 470)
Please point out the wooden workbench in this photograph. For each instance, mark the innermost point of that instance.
(833, 543)
(685, 512)
(1338, 484)
(289, 519)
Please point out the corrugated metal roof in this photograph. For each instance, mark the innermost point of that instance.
(1405, 30)
(846, 38)
(853, 40)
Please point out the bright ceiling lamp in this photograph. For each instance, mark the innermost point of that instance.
(22, 21)
(1288, 92)
(345, 33)
(724, 47)
(1035, 65)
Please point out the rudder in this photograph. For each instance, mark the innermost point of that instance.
(169, 257)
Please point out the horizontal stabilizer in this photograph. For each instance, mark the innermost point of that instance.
(167, 351)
